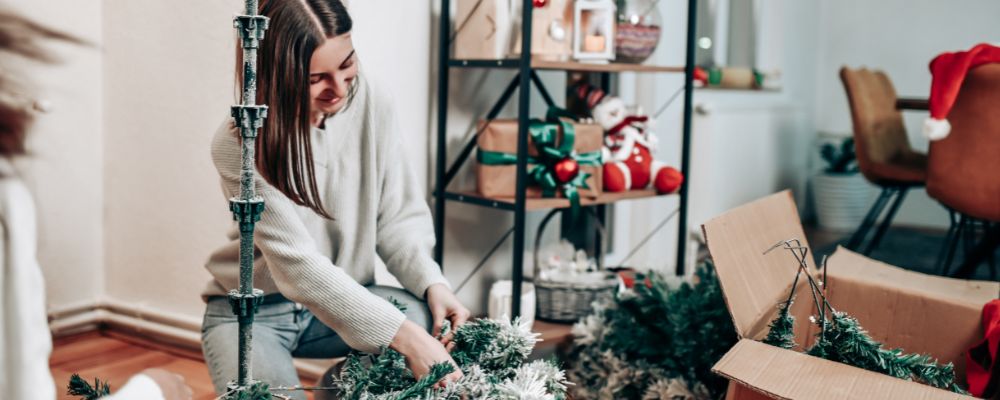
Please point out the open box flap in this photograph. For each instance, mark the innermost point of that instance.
(786, 374)
(754, 283)
(848, 265)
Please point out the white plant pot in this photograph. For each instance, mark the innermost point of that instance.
(842, 200)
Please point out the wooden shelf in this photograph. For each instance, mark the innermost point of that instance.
(565, 66)
(552, 333)
(534, 204)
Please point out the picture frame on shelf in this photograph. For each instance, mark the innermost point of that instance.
(594, 24)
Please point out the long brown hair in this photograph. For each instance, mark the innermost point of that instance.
(284, 145)
(22, 37)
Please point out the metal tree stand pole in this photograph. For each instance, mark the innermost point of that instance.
(247, 207)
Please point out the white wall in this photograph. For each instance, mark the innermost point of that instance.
(64, 170)
(899, 37)
(168, 87)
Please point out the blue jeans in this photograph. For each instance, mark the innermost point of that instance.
(282, 330)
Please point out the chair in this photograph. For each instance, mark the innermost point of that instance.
(963, 170)
(883, 149)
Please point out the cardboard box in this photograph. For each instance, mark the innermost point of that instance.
(551, 32)
(501, 136)
(917, 312)
(483, 29)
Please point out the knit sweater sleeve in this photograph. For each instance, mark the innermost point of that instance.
(365, 321)
(405, 236)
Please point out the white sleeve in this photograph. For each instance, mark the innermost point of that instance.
(139, 387)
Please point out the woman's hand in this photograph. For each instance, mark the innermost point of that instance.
(444, 305)
(422, 351)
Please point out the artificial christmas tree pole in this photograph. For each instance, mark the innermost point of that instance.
(247, 207)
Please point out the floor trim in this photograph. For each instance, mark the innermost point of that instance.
(161, 330)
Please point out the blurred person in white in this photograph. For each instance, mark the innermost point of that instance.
(25, 339)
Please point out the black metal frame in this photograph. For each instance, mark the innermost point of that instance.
(522, 82)
(859, 236)
(980, 238)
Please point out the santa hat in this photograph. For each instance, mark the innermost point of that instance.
(948, 71)
(590, 95)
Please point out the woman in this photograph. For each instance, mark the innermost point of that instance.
(339, 200)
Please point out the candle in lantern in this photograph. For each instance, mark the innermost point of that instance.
(593, 43)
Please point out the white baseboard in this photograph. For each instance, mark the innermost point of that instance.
(158, 326)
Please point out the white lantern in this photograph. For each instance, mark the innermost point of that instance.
(594, 31)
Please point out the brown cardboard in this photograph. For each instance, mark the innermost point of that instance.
(501, 136)
(483, 29)
(760, 282)
(914, 311)
(544, 45)
(785, 374)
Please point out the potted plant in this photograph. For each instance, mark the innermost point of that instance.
(842, 194)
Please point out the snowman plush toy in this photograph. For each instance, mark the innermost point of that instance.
(628, 149)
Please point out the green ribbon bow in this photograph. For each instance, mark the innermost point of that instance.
(544, 135)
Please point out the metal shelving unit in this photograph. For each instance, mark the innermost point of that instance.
(522, 83)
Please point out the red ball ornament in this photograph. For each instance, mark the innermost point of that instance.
(566, 169)
(539, 3)
(668, 180)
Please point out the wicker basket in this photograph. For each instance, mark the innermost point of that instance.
(635, 43)
(569, 301)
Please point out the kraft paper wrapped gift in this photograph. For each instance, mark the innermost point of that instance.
(501, 136)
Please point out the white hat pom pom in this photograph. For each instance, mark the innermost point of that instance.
(936, 129)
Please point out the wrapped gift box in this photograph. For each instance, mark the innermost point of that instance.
(501, 136)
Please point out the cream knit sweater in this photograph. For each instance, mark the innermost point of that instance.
(380, 216)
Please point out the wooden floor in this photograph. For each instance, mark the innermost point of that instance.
(115, 358)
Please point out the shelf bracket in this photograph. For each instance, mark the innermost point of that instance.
(542, 90)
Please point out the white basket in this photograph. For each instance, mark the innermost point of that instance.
(570, 300)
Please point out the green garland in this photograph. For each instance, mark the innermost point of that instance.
(842, 339)
(845, 341)
(782, 327)
(80, 387)
(256, 391)
(654, 342)
(492, 355)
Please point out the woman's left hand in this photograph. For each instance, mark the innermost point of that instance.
(444, 305)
